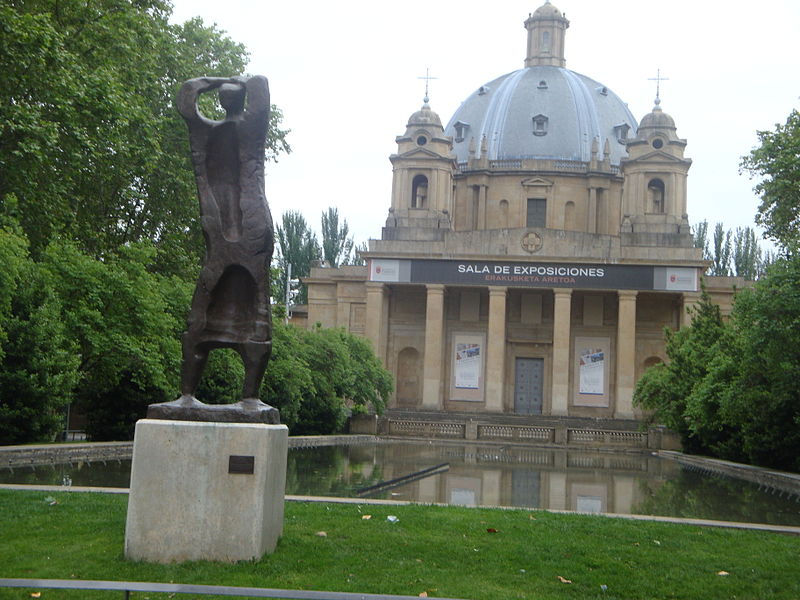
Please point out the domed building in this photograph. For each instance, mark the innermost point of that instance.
(534, 251)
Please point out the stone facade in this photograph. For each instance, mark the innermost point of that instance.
(519, 273)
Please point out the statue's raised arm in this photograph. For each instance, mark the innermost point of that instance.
(191, 90)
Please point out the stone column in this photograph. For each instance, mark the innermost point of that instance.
(561, 360)
(591, 216)
(374, 327)
(626, 354)
(496, 350)
(688, 300)
(434, 347)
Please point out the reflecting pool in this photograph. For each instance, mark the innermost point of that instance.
(493, 475)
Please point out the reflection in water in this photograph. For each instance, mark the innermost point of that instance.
(493, 475)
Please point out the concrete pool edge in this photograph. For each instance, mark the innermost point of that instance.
(769, 478)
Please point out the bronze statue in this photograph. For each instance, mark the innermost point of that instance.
(231, 303)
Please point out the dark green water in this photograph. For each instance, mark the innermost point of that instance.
(494, 476)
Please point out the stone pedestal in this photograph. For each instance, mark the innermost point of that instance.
(205, 491)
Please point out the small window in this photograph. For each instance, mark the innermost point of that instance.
(461, 130)
(545, 41)
(422, 140)
(658, 143)
(621, 132)
(542, 85)
(540, 123)
(484, 89)
(537, 212)
(655, 191)
(419, 192)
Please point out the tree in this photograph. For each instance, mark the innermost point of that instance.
(38, 363)
(734, 252)
(358, 254)
(666, 389)
(700, 238)
(746, 257)
(759, 393)
(315, 377)
(777, 161)
(337, 247)
(125, 322)
(91, 146)
(721, 257)
(730, 388)
(297, 246)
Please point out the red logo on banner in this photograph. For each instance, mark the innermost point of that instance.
(673, 278)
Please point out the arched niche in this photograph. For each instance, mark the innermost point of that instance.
(419, 192)
(409, 380)
(655, 195)
(503, 214)
(569, 216)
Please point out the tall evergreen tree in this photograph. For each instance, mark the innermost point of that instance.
(700, 238)
(746, 254)
(297, 245)
(721, 258)
(337, 247)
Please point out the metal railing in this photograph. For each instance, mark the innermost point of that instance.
(126, 587)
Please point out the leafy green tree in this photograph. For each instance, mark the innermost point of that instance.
(316, 377)
(758, 389)
(776, 161)
(337, 247)
(125, 321)
(38, 364)
(297, 246)
(730, 388)
(91, 146)
(666, 389)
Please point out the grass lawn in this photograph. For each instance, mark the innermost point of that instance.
(444, 551)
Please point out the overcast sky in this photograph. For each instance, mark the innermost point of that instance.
(346, 75)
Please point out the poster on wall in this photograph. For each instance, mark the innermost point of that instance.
(592, 356)
(592, 371)
(468, 365)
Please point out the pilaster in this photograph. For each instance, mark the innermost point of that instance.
(496, 350)
(689, 300)
(374, 327)
(561, 361)
(626, 354)
(434, 347)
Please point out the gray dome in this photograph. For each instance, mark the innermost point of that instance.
(542, 112)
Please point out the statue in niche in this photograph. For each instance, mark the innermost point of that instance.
(231, 302)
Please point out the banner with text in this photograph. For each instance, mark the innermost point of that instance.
(535, 274)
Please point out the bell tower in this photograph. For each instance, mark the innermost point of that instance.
(655, 175)
(423, 169)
